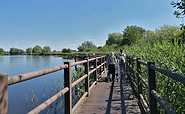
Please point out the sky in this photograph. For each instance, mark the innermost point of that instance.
(68, 23)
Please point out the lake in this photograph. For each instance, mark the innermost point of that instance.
(27, 95)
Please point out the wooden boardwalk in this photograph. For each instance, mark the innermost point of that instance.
(110, 98)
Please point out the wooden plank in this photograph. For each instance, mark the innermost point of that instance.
(109, 98)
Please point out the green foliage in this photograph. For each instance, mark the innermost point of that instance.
(114, 38)
(180, 36)
(37, 49)
(180, 5)
(54, 51)
(79, 89)
(65, 50)
(16, 51)
(46, 50)
(2, 51)
(131, 34)
(170, 56)
(86, 45)
(29, 51)
(166, 33)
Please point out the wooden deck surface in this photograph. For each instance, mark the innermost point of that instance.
(110, 98)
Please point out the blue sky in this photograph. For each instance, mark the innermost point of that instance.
(68, 23)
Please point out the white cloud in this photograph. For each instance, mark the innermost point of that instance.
(92, 40)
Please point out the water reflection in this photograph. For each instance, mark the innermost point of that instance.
(21, 95)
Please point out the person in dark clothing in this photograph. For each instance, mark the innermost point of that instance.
(112, 66)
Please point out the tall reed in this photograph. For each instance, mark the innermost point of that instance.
(169, 56)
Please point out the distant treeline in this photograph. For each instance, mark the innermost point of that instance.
(131, 36)
(37, 50)
(135, 35)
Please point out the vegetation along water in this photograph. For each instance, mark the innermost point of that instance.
(27, 95)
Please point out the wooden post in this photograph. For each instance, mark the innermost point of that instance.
(132, 64)
(139, 84)
(95, 73)
(87, 78)
(67, 83)
(3, 93)
(131, 72)
(103, 64)
(152, 86)
(107, 60)
(100, 67)
(75, 61)
(129, 66)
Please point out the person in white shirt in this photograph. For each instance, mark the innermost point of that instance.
(121, 57)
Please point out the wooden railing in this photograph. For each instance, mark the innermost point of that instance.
(5, 81)
(137, 80)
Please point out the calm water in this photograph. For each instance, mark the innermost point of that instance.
(21, 98)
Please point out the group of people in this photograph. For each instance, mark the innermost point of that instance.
(112, 64)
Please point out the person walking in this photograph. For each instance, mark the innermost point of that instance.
(121, 57)
(112, 66)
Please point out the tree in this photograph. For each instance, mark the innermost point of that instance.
(46, 50)
(86, 45)
(16, 51)
(166, 33)
(54, 51)
(180, 12)
(29, 51)
(2, 51)
(114, 38)
(180, 5)
(37, 49)
(132, 33)
(65, 50)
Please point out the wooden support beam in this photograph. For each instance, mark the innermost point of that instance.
(75, 61)
(139, 83)
(87, 78)
(95, 73)
(152, 86)
(67, 83)
(3, 93)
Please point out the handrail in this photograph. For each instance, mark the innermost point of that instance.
(79, 80)
(78, 63)
(23, 77)
(151, 84)
(162, 102)
(174, 75)
(142, 62)
(67, 80)
(143, 80)
(41, 107)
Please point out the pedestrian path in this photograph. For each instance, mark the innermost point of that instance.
(110, 98)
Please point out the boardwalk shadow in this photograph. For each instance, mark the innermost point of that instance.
(122, 98)
(110, 99)
(122, 95)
